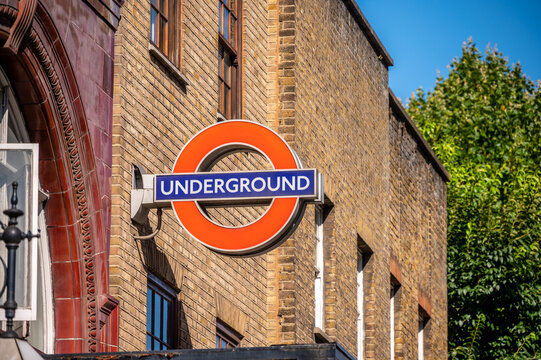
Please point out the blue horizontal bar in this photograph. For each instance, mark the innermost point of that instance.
(236, 185)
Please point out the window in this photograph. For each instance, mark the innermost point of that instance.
(319, 269)
(226, 336)
(230, 39)
(165, 28)
(34, 318)
(161, 315)
(360, 305)
(363, 255)
(423, 321)
(395, 286)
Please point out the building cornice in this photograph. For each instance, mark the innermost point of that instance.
(396, 105)
(369, 32)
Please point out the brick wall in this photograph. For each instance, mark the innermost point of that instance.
(418, 233)
(341, 118)
(311, 72)
(281, 290)
(154, 115)
(333, 107)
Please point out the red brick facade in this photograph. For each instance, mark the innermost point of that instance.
(58, 57)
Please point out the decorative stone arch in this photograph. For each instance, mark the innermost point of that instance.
(43, 80)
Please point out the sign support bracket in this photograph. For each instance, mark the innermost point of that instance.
(142, 196)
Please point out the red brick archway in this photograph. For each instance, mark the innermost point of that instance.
(40, 72)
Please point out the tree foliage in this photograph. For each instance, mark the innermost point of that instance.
(484, 123)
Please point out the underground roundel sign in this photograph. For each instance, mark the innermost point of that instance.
(288, 187)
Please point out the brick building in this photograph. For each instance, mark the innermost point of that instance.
(366, 269)
(315, 72)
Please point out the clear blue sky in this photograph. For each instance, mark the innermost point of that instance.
(423, 36)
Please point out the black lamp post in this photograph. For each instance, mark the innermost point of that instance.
(12, 236)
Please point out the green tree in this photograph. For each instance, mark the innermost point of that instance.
(484, 123)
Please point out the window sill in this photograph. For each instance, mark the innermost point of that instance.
(321, 336)
(227, 45)
(220, 117)
(175, 72)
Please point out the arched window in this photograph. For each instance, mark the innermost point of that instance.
(33, 292)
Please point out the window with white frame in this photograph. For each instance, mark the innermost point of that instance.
(41, 331)
(319, 269)
(363, 255)
(422, 322)
(34, 318)
(360, 305)
(392, 310)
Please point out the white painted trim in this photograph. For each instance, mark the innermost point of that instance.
(421, 340)
(360, 306)
(29, 313)
(319, 271)
(47, 285)
(392, 321)
(41, 331)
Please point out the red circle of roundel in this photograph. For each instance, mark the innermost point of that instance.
(267, 229)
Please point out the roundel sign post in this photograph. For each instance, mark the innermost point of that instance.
(190, 186)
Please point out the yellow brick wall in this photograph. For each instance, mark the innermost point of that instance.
(418, 233)
(342, 128)
(333, 107)
(310, 73)
(154, 115)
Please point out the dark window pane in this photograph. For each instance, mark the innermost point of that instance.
(149, 310)
(161, 316)
(157, 315)
(227, 69)
(163, 35)
(221, 104)
(226, 101)
(162, 6)
(165, 321)
(221, 64)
